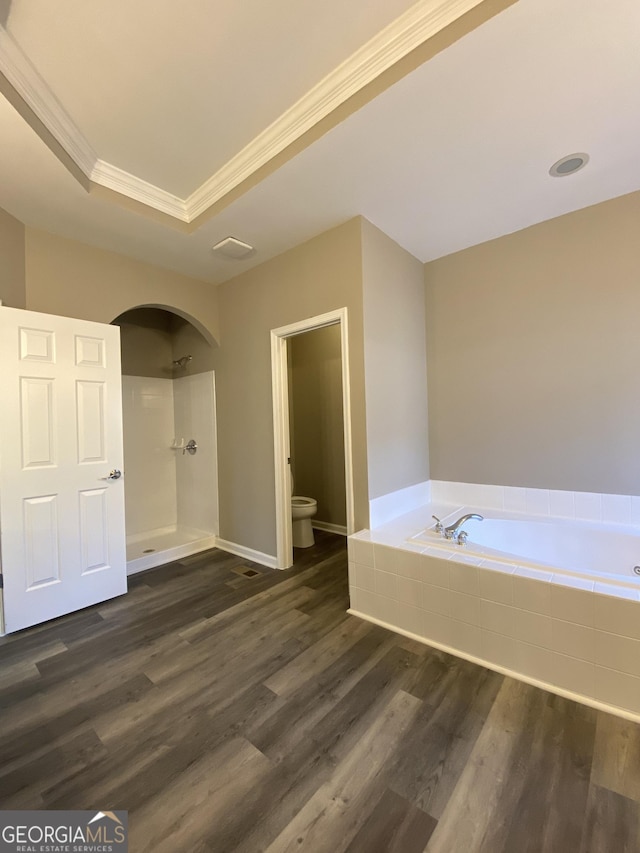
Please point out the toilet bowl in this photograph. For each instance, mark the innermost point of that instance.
(302, 511)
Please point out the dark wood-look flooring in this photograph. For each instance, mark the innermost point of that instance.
(236, 714)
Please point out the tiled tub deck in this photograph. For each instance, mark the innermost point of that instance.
(575, 637)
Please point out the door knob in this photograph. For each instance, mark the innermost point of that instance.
(113, 475)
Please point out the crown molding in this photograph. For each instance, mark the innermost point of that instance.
(419, 23)
(122, 182)
(34, 91)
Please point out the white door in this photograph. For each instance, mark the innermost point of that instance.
(62, 535)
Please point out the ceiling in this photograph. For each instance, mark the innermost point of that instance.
(177, 111)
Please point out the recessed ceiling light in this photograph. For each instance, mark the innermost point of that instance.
(568, 165)
(230, 247)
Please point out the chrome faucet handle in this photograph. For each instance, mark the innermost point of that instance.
(462, 537)
(439, 526)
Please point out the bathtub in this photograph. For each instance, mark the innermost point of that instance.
(599, 551)
(554, 602)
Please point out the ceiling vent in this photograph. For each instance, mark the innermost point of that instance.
(232, 248)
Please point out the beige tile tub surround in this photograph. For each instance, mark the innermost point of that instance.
(577, 641)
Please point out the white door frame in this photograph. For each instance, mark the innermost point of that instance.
(282, 445)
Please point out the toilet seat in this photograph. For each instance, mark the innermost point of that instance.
(297, 500)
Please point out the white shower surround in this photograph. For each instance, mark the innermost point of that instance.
(196, 479)
(566, 631)
(171, 498)
(149, 465)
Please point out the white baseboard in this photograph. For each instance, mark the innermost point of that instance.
(340, 529)
(169, 555)
(543, 685)
(248, 553)
(388, 507)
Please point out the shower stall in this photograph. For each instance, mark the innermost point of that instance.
(170, 460)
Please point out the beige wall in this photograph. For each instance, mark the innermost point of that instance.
(321, 275)
(151, 339)
(534, 355)
(69, 278)
(395, 364)
(12, 276)
(317, 421)
(187, 340)
(146, 343)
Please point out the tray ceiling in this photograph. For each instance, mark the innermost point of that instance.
(455, 152)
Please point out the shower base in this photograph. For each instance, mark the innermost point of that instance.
(163, 545)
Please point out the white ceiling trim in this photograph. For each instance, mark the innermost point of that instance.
(32, 88)
(122, 182)
(421, 22)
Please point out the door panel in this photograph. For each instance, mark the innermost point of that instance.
(62, 522)
(91, 427)
(37, 421)
(36, 345)
(41, 541)
(94, 530)
(90, 352)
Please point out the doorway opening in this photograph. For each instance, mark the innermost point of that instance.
(169, 425)
(280, 366)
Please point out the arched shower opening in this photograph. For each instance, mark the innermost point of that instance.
(170, 458)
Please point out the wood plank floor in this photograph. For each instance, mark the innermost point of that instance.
(229, 713)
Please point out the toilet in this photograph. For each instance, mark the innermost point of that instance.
(302, 511)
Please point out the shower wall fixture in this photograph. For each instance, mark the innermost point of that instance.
(181, 362)
(190, 447)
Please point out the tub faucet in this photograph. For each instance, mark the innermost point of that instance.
(454, 532)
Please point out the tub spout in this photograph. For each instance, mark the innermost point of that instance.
(453, 531)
